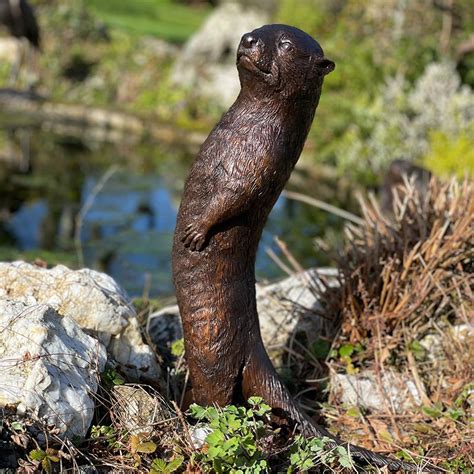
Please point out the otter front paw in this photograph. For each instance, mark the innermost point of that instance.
(194, 238)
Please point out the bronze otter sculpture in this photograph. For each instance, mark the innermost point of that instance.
(233, 184)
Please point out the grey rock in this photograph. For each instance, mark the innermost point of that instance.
(89, 470)
(164, 326)
(292, 305)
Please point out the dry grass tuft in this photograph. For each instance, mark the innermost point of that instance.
(411, 270)
(406, 301)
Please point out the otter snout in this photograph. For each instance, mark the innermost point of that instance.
(249, 46)
(248, 41)
(251, 55)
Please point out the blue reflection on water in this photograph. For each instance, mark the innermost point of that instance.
(25, 225)
(128, 229)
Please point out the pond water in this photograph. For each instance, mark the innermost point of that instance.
(113, 207)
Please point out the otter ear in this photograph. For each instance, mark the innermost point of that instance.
(325, 66)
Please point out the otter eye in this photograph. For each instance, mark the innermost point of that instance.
(286, 45)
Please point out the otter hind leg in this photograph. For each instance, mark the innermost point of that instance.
(261, 379)
(216, 381)
(221, 394)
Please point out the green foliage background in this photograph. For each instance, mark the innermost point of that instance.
(362, 121)
(375, 44)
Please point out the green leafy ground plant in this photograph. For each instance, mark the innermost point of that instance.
(45, 458)
(160, 466)
(233, 444)
(308, 454)
(243, 441)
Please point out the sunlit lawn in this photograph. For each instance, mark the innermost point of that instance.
(161, 18)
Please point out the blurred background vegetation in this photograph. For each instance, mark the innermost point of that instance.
(402, 89)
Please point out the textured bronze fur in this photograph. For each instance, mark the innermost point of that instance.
(234, 182)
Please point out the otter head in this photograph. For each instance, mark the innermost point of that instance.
(281, 59)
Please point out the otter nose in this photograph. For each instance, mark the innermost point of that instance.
(249, 41)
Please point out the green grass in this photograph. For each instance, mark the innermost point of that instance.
(161, 18)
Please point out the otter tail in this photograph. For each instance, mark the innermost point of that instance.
(260, 379)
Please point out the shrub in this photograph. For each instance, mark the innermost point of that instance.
(451, 155)
(404, 123)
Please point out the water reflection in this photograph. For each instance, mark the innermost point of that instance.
(25, 224)
(127, 229)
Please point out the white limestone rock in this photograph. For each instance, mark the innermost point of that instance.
(198, 435)
(93, 300)
(395, 389)
(49, 367)
(436, 344)
(364, 390)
